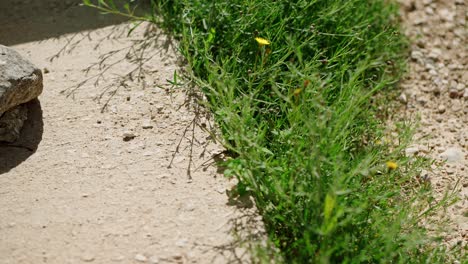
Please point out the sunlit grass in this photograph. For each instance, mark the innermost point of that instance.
(291, 85)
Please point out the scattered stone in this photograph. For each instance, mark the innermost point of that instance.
(140, 258)
(453, 93)
(147, 124)
(450, 171)
(434, 54)
(441, 109)
(154, 260)
(456, 106)
(88, 257)
(148, 153)
(411, 151)
(417, 55)
(46, 70)
(433, 72)
(427, 88)
(118, 258)
(422, 100)
(452, 155)
(424, 175)
(181, 242)
(446, 15)
(128, 135)
(402, 98)
(427, 2)
(419, 18)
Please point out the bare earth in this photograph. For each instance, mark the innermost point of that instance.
(435, 93)
(86, 195)
(108, 182)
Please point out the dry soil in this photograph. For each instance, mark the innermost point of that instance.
(115, 164)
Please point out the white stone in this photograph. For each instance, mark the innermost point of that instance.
(140, 258)
(452, 155)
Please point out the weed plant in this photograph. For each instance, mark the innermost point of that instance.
(291, 85)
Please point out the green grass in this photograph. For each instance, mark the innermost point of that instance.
(303, 119)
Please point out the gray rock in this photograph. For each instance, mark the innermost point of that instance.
(11, 123)
(20, 80)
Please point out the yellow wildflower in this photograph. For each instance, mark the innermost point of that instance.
(391, 165)
(262, 41)
(297, 92)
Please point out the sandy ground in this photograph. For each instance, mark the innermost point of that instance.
(85, 195)
(435, 94)
(106, 180)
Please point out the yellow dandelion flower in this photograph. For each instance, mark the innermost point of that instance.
(262, 41)
(297, 92)
(391, 165)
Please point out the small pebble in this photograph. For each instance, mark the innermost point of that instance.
(128, 135)
(452, 155)
(453, 93)
(140, 258)
(88, 257)
(403, 99)
(181, 242)
(118, 258)
(154, 260)
(147, 124)
(411, 151)
(441, 109)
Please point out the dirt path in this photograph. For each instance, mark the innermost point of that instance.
(100, 188)
(435, 92)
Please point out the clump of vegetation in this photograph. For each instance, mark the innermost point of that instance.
(292, 85)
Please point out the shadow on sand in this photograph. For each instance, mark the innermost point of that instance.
(11, 155)
(35, 20)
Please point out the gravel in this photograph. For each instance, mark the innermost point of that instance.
(437, 95)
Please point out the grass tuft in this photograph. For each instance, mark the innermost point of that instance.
(292, 86)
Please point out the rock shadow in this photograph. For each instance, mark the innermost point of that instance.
(35, 20)
(11, 155)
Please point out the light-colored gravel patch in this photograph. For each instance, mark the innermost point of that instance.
(435, 90)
